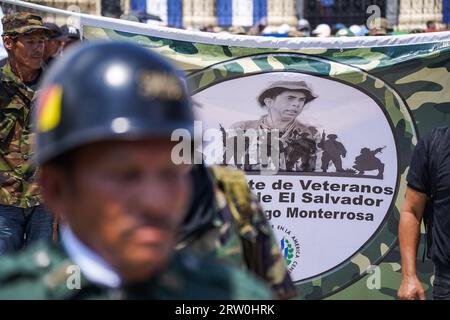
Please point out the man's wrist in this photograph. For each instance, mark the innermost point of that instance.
(409, 274)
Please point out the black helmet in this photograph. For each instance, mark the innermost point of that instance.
(104, 91)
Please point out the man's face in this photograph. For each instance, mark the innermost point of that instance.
(28, 49)
(125, 200)
(287, 105)
(51, 48)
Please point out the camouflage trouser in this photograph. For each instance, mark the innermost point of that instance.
(19, 227)
(441, 284)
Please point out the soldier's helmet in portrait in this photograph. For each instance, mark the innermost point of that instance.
(332, 136)
(278, 87)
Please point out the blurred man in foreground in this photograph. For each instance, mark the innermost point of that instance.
(103, 143)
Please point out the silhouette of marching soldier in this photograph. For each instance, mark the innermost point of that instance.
(224, 143)
(332, 151)
(301, 147)
(236, 143)
(265, 139)
(244, 152)
(367, 161)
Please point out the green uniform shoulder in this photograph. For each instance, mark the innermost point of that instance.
(31, 274)
(203, 279)
(44, 272)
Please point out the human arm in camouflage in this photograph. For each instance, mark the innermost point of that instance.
(8, 120)
(12, 101)
(261, 253)
(264, 256)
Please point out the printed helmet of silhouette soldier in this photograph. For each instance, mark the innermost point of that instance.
(332, 136)
(296, 131)
(274, 89)
(108, 91)
(365, 150)
(304, 135)
(313, 130)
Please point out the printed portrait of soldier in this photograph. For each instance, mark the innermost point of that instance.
(282, 139)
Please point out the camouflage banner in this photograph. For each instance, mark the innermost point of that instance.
(334, 201)
(324, 129)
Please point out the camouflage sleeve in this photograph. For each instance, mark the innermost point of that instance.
(267, 260)
(260, 251)
(8, 119)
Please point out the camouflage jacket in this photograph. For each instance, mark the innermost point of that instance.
(17, 179)
(44, 272)
(240, 234)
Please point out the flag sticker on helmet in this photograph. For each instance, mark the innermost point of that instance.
(49, 108)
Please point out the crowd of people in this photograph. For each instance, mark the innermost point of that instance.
(375, 27)
(378, 27)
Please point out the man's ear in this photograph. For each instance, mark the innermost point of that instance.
(8, 42)
(268, 102)
(54, 188)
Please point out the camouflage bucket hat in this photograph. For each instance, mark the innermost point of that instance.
(22, 23)
(290, 86)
